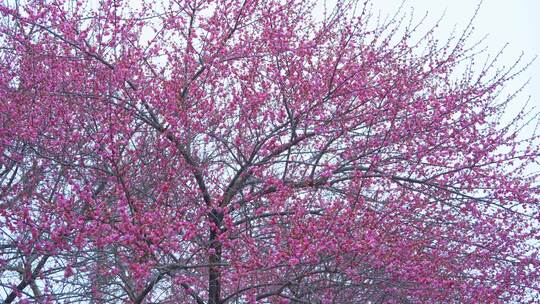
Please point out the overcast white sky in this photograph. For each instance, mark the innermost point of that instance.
(514, 21)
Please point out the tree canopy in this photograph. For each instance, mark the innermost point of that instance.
(258, 151)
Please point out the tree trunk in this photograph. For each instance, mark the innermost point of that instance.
(214, 258)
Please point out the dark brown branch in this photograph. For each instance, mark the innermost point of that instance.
(27, 280)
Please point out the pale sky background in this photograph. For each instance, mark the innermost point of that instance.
(516, 22)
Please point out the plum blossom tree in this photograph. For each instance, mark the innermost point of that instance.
(220, 151)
